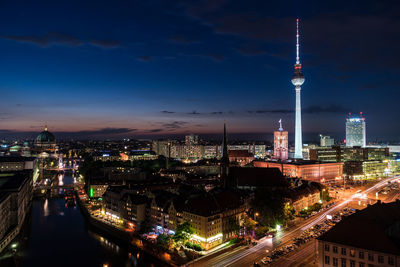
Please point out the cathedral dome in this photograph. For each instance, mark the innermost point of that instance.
(45, 138)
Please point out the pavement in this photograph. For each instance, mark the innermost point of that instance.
(246, 256)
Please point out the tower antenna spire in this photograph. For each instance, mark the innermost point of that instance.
(297, 42)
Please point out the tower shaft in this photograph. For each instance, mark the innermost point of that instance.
(298, 149)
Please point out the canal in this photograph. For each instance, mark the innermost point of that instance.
(57, 235)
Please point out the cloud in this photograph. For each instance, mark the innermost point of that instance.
(168, 112)
(155, 130)
(332, 108)
(54, 38)
(194, 112)
(106, 131)
(174, 125)
(105, 43)
(145, 58)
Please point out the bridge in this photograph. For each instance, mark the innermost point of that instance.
(47, 187)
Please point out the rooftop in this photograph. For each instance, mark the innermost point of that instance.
(258, 177)
(374, 228)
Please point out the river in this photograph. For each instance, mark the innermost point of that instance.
(57, 235)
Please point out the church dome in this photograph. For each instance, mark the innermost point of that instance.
(45, 137)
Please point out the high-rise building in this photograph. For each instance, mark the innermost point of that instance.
(326, 141)
(355, 130)
(297, 81)
(191, 140)
(281, 143)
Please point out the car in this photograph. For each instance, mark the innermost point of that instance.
(264, 261)
(270, 234)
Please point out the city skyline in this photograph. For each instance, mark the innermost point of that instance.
(147, 78)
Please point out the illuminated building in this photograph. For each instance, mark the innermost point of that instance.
(326, 141)
(15, 200)
(297, 81)
(142, 155)
(325, 173)
(368, 169)
(304, 195)
(45, 141)
(281, 151)
(355, 130)
(213, 217)
(241, 157)
(106, 156)
(191, 140)
(343, 154)
(366, 238)
(10, 163)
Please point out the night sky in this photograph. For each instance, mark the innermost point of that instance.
(158, 67)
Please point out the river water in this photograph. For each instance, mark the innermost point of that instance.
(57, 235)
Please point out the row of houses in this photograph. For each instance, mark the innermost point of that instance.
(214, 216)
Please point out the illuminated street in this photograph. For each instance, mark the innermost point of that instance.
(247, 256)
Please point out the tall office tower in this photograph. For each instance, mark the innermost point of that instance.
(355, 130)
(281, 143)
(191, 140)
(326, 140)
(297, 81)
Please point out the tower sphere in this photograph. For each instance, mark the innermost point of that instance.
(298, 78)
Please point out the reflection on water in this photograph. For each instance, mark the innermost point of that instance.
(60, 179)
(59, 236)
(46, 207)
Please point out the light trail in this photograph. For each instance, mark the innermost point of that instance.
(263, 243)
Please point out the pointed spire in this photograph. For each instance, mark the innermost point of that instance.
(280, 125)
(45, 127)
(297, 42)
(224, 145)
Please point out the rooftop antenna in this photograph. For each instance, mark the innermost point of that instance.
(297, 43)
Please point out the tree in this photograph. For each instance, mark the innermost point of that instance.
(164, 241)
(183, 233)
(249, 224)
(271, 207)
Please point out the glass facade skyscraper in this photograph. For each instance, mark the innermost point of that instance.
(355, 130)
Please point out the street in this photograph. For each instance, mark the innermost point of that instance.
(244, 256)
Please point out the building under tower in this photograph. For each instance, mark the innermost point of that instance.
(281, 143)
(355, 130)
(297, 81)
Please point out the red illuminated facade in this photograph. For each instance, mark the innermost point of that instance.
(281, 145)
(325, 173)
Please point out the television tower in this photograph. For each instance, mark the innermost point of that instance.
(297, 81)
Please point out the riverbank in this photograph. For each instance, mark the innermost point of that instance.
(130, 239)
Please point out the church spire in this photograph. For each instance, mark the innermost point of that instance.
(225, 156)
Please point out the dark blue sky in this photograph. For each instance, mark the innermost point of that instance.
(134, 68)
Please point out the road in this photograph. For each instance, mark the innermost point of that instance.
(243, 256)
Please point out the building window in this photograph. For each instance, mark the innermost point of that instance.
(370, 257)
(361, 255)
(327, 259)
(343, 251)
(380, 259)
(334, 248)
(352, 253)
(361, 264)
(352, 263)
(390, 261)
(326, 247)
(370, 265)
(335, 262)
(343, 262)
